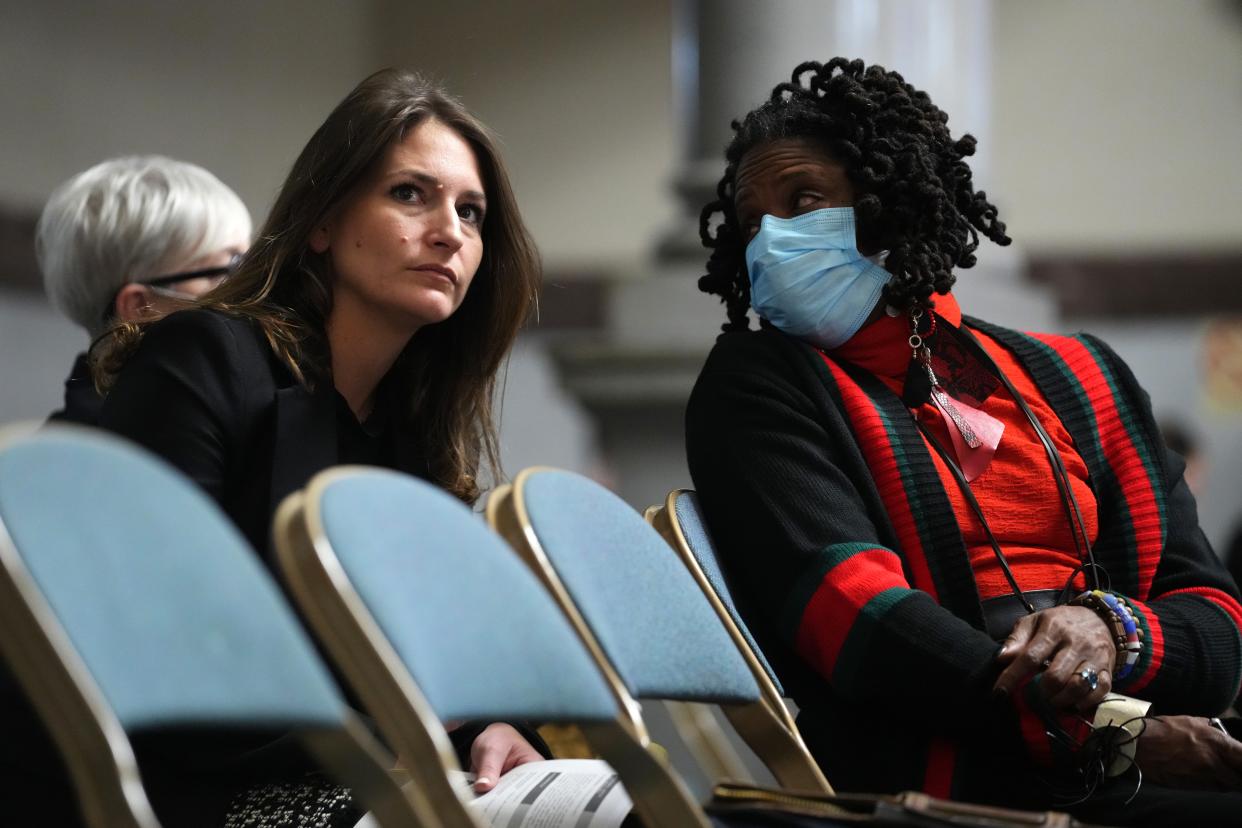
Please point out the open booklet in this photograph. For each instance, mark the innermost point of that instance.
(557, 793)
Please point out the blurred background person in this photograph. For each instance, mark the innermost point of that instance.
(1179, 438)
(131, 238)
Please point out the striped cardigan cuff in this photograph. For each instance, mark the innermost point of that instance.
(839, 602)
(1194, 632)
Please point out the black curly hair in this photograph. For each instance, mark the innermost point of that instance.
(914, 194)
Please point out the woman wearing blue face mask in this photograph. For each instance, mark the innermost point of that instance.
(964, 547)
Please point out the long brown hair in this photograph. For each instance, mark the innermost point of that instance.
(445, 377)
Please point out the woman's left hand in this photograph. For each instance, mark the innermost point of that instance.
(496, 751)
(1189, 752)
(1063, 643)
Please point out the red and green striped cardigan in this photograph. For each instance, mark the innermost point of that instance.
(843, 547)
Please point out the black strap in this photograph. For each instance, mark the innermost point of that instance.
(1068, 501)
(974, 505)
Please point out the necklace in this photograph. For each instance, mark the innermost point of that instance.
(1082, 542)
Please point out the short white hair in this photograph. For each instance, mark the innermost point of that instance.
(128, 220)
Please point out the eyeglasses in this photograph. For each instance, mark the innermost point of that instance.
(160, 283)
(187, 275)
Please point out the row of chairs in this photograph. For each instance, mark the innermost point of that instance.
(128, 602)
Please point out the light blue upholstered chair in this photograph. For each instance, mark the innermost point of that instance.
(128, 602)
(680, 522)
(432, 617)
(639, 608)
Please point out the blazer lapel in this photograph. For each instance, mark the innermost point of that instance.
(305, 439)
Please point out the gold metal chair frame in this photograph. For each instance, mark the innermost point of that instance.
(770, 731)
(355, 641)
(88, 735)
(91, 740)
(756, 723)
(799, 769)
(700, 731)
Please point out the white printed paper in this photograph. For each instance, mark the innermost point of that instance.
(559, 793)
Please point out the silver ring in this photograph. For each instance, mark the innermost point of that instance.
(1090, 676)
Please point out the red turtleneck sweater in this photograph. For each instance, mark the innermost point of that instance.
(1017, 491)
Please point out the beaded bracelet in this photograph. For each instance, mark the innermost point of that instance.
(1126, 632)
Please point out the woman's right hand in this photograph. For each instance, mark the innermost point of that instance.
(1060, 643)
(497, 750)
(1189, 752)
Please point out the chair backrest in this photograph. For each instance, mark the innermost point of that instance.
(773, 734)
(687, 519)
(432, 617)
(467, 618)
(139, 598)
(642, 606)
(639, 608)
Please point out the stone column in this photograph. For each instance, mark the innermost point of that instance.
(634, 377)
(727, 56)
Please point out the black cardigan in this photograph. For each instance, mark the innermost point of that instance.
(788, 488)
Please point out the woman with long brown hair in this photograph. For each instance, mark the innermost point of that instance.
(322, 302)
(366, 325)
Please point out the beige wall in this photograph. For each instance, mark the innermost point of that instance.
(580, 93)
(1117, 126)
(235, 86)
(1118, 123)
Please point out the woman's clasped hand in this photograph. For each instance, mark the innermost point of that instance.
(1072, 651)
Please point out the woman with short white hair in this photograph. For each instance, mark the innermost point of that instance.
(130, 238)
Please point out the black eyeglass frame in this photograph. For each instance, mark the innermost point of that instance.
(173, 278)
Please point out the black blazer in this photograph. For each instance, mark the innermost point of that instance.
(82, 401)
(206, 392)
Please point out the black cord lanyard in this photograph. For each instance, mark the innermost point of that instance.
(1068, 501)
(974, 505)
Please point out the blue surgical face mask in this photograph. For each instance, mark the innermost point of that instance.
(809, 280)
